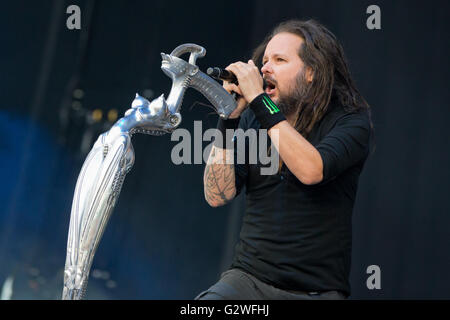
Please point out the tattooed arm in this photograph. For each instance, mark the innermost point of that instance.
(219, 178)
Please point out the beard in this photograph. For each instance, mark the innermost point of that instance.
(292, 101)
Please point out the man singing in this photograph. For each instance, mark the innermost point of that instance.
(295, 241)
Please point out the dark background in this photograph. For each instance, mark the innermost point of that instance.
(163, 241)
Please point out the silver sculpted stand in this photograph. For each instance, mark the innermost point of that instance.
(112, 156)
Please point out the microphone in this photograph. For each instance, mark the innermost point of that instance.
(222, 74)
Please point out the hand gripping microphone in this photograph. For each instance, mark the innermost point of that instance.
(225, 75)
(222, 74)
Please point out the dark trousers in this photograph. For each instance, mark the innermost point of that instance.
(236, 284)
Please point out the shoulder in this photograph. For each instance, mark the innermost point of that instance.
(340, 124)
(339, 116)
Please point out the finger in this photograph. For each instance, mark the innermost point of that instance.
(231, 87)
(244, 67)
(227, 86)
(247, 68)
(243, 70)
(234, 68)
(236, 89)
(240, 65)
(235, 64)
(254, 66)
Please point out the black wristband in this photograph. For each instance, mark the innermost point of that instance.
(266, 112)
(222, 126)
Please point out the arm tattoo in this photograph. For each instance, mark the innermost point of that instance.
(219, 179)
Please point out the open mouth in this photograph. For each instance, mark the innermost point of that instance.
(270, 87)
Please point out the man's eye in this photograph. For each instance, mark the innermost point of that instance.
(280, 59)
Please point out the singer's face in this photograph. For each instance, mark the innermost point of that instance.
(281, 64)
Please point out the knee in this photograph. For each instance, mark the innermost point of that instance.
(209, 295)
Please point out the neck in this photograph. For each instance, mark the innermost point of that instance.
(291, 119)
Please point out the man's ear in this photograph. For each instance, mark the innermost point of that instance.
(309, 74)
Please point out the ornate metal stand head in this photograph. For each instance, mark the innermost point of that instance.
(111, 158)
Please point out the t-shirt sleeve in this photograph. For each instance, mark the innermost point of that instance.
(345, 145)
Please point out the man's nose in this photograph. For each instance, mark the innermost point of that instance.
(267, 68)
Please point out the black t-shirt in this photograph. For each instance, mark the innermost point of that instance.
(298, 237)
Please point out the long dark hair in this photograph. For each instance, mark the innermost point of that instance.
(322, 53)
